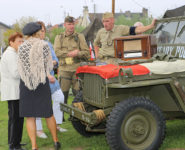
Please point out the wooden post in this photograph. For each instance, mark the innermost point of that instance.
(113, 6)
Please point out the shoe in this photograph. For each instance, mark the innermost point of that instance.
(57, 145)
(17, 149)
(61, 129)
(42, 135)
(23, 144)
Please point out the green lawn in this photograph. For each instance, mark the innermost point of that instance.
(71, 140)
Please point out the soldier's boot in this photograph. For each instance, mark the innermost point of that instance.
(66, 96)
(65, 101)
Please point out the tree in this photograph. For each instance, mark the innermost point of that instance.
(7, 34)
(130, 21)
(17, 27)
(135, 18)
(56, 31)
(19, 24)
(52, 34)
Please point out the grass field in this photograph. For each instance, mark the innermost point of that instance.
(71, 140)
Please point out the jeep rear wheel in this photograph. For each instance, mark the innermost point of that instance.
(135, 124)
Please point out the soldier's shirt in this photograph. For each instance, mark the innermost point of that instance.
(63, 44)
(105, 39)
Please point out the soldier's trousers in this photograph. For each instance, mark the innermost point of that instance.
(67, 80)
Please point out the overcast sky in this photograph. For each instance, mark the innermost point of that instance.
(53, 11)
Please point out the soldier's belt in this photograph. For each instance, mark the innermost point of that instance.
(70, 61)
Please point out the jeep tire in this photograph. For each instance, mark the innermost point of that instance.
(81, 128)
(77, 124)
(135, 124)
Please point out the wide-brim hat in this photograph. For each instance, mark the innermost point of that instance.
(31, 28)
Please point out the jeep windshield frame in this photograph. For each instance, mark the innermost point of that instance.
(170, 30)
(165, 32)
(180, 36)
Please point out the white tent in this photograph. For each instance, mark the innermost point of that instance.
(84, 20)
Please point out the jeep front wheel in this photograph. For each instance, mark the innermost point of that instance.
(135, 124)
(81, 128)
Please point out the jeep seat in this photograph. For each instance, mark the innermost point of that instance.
(165, 67)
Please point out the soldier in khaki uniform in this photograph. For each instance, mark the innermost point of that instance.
(70, 48)
(105, 36)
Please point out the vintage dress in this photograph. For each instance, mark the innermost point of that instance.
(34, 64)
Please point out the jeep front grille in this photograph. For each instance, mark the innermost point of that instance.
(93, 89)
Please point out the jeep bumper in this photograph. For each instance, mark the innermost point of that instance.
(87, 117)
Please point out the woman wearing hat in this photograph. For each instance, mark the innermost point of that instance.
(34, 66)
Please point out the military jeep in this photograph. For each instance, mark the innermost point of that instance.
(131, 101)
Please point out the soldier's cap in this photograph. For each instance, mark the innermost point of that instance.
(107, 15)
(69, 19)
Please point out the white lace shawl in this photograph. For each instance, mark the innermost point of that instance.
(34, 62)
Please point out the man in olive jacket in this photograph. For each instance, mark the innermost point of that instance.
(70, 48)
(104, 42)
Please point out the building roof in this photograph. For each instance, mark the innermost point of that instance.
(4, 25)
